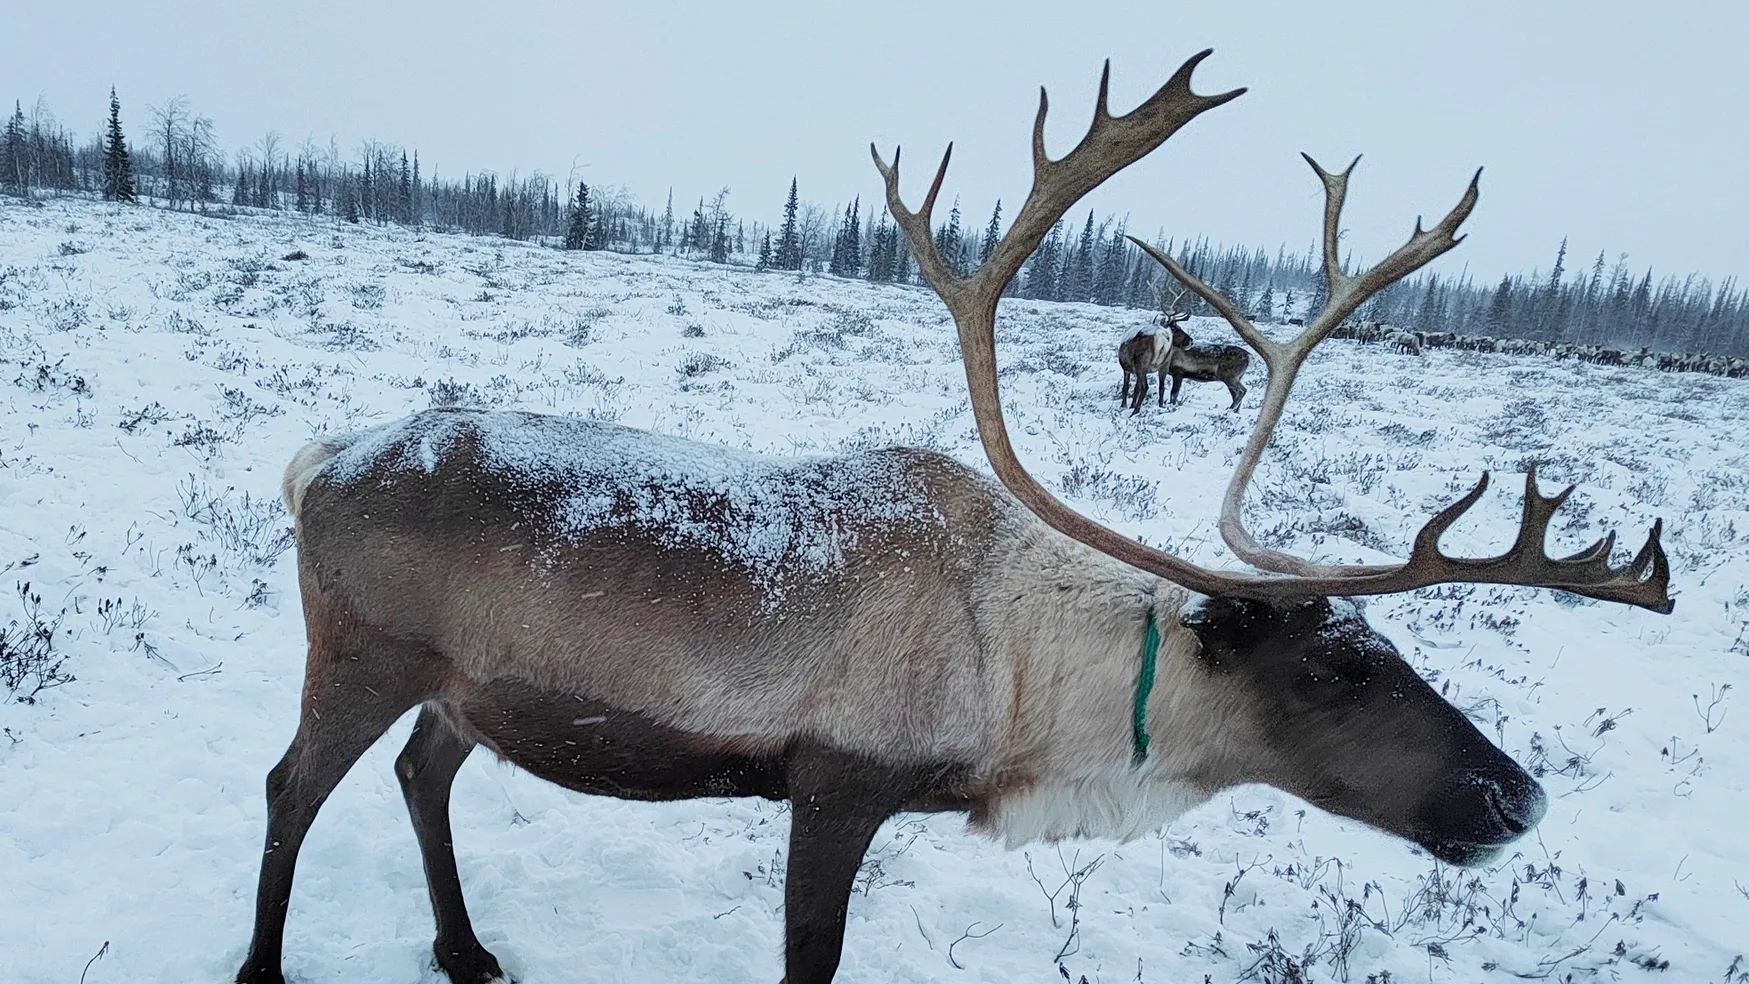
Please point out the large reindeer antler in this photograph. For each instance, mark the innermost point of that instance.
(1113, 143)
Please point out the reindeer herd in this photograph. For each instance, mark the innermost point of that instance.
(1734, 367)
(641, 616)
(1182, 358)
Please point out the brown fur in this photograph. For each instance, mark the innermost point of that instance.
(1204, 362)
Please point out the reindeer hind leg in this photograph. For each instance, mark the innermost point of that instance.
(351, 696)
(426, 768)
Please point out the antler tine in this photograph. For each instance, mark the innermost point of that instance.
(1335, 196)
(915, 225)
(1643, 582)
(1111, 144)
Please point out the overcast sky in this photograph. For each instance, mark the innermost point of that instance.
(1622, 125)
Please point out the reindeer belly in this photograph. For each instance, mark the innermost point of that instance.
(594, 747)
(1196, 374)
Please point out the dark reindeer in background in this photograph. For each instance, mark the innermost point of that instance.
(635, 615)
(1205, 362)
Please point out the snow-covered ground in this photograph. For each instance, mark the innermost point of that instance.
(158, 370)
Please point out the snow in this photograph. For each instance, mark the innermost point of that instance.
(161, 367)
(776, 517)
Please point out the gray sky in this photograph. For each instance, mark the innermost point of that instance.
(1618, 124)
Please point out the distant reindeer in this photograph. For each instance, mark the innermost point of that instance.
(1205, 362)
(1407, 342)
(1146, 352)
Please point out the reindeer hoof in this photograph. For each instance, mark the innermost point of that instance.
(469, 964)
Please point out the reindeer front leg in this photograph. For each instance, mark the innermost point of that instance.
(837, 802)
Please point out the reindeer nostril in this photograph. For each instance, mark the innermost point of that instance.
(1518, 809)
(1505, 812)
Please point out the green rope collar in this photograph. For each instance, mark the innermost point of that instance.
(1144, 685)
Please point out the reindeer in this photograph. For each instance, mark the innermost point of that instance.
(1146, 352)
(634, 615)
(1205, 362)
(1406, 342)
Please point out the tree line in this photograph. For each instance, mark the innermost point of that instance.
(177, 163)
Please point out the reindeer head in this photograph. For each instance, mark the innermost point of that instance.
(1308, 697)
(1324, 707)
(1171, 315)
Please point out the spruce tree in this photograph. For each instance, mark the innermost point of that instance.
(1320, 293)
(700, 233)
(1430, 316)
(1500, 307)
(404, 193)
(1108, 272)
(764, 253)
(881, 254)
(992, 234)
(720, 239)
(789, 244)
(577, 229)
(835, 264)
(600, 228)
(367, 192)
(948, 239)
(665, 235)
(1041, 272)
(1080, 285)
(14, 162)
(853, 239)
(118, 167)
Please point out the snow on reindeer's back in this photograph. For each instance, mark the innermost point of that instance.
(776, 517)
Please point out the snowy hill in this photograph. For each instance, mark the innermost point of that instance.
(159, 370)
